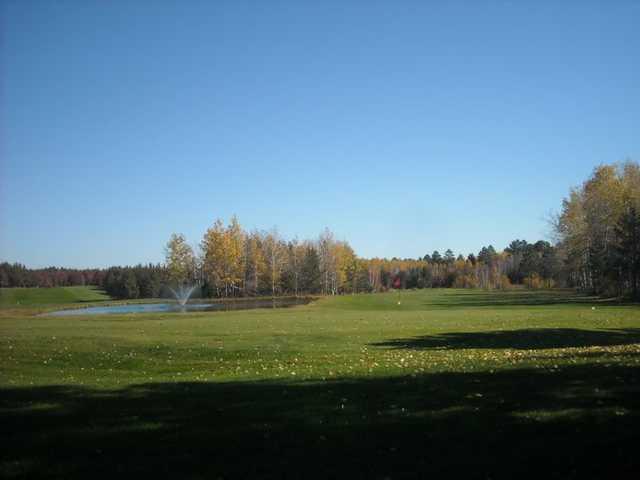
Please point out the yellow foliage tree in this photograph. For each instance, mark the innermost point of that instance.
(223, 256)
(179, 259)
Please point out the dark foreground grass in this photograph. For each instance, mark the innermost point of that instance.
(574, 422)
(352, 387)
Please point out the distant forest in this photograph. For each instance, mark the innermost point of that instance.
(596, 250)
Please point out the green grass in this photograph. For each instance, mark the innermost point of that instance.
(486, 384)
(19, 297)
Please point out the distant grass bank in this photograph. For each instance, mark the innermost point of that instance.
(16, 297)
(411, 384)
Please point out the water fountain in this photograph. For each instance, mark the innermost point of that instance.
(182, 293)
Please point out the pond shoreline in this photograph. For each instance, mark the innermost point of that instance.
(173, 307)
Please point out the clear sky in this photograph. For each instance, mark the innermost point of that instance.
(402, 126)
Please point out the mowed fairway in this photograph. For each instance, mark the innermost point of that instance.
(489, 384)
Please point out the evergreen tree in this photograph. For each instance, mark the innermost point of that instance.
(628, 247)
(449, 257)
(487, 255)
(310, 278)
(130, 287)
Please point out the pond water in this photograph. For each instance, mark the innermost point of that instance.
(189, 307)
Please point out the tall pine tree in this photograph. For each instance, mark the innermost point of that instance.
(628, 247)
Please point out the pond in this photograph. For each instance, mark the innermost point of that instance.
(177, 308)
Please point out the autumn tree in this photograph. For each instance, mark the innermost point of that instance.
(223, 257)
(326, 254)
(348, 267)
(254, 263)
(293, 270)
(235, 256)
(274, 251)
(179, 259)
(589, 227)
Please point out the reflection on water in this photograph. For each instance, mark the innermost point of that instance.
(189, 307)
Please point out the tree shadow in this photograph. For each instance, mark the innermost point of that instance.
(577, 421)
(519, 297)
(524, 339)
(100, 291)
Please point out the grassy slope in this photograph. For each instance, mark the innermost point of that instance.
(446, 381)
(15, 297)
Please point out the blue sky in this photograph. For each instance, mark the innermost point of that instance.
(402, 126)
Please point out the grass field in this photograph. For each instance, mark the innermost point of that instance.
(486, 384)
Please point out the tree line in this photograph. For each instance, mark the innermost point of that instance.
(597, 250)
(18, 275)
(233, 262)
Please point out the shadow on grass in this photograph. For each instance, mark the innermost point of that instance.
(575, 422)
(104, 296)
(520, 297)
(526, 339)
